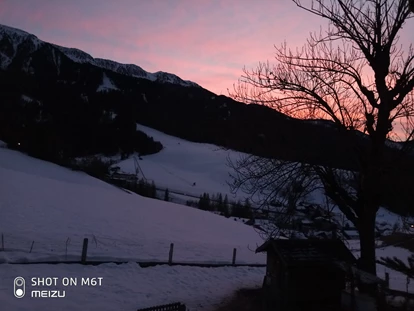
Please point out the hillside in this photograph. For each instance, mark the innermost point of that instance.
(122, 224)
(56, 208)
(184, 166)
(72, 105)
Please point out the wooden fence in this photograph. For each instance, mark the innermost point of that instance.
(178, 306)
(144, 264)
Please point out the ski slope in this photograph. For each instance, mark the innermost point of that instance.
(182, 163)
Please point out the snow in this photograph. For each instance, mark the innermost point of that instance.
(17, 37)
(52, 209)
(182, 163)
(55, 208)
(172, 78)
(106, 85)
(127, 287)
(75, 55)
(121, 225)
(126, 69)
(397, 279)
(27, 98)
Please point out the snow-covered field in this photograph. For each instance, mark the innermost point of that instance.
(47, 210)
(126, 287)
(56, 208)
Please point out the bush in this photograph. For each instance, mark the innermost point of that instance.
(93, 166)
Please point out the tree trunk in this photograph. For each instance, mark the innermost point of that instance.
(367, 261)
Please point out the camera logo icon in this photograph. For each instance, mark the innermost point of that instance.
(19, 287)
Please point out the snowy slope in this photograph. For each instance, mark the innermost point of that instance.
(182, 163)
(106, 85)
(18, 37)
(56, 208)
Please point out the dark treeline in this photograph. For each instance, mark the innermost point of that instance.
(63, 124)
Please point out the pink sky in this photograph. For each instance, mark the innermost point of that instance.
(205, 41)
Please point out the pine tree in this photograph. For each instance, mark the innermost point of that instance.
(142, 187)
(167, 195)
(225, 207)
(247, 204)
(204, 202)
(201, 202)
(153, 191)
(220, 206)
(208, 202)
(226, 201)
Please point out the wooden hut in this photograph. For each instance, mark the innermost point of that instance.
(305, 274)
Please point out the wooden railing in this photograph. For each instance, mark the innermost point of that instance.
(178, 306)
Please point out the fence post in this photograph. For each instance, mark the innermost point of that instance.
(234, 256)
(84, 250)
(170, 256)
(66, 248)
(387, 280)
(31, 247)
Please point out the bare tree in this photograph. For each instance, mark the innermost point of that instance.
(357, 75)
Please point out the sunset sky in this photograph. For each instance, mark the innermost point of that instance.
(206, 41)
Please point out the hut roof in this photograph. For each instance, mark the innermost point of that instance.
(301, 251)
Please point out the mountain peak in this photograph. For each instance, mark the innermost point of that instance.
(14, 31)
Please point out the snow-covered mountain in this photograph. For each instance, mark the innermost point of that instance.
(12, 40)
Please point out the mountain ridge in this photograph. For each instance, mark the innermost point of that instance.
(80, 56)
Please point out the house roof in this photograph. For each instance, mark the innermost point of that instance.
(299, 251)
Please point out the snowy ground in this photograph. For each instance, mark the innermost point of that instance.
(182, 163)
(53, 209)
(126, 287)
(397, 280)
(56, 208)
